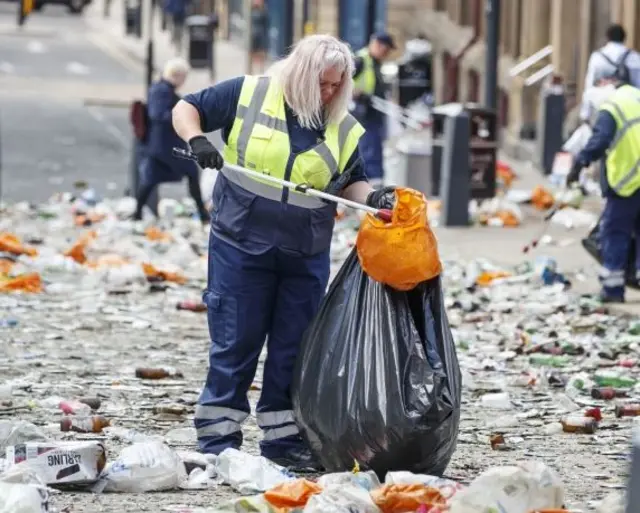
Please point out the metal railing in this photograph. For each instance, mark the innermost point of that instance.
(531, 61)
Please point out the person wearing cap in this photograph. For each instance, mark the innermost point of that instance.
(368, 83)
(269, 246)
(616, 139)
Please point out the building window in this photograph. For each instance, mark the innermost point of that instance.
(441, 5)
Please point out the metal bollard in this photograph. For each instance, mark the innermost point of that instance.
(455, 184)
(550, 124)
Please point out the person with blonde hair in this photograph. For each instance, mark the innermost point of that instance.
(158, 165)
(269, 246)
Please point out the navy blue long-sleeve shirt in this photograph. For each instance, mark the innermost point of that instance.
(604, 131)
(217, 107)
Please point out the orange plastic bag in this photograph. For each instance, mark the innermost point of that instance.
(291, 494)
(152, 272)
(157, 235)
(5, 265)
(541, 198)
(23, 283)
(404, 252)
(401, 498)
(77, 251)
(12, 244)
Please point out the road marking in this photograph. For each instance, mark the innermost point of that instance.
(116, 53)
(7, 67)
(36, 47)
(77, 69)
(109, 127)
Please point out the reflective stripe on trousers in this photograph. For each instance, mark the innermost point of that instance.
(277, 424)
(224, 421)
(610, 278)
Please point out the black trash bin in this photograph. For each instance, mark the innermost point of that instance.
(133, 19)
(414, 72)
(200, 40)
(483, 148)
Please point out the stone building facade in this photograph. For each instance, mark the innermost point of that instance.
(456, 28)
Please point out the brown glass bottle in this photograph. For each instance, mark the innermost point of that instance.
(577, 424)
(94, 424)
(156, 373)
(628, 410)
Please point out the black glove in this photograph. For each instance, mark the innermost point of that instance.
(384, 197)
(206, 152)
(574, 174)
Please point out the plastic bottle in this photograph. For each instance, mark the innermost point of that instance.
(74, 407)
(614, 381)
(549, 360)
(607, 393)
(574, 424)
(628, 410)
(93, 424)
(8, 323)
(81, 406)
(157, 373)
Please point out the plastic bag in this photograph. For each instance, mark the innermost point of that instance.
(292, 494)
(247, 473)
(404, 252)
(522, 488)
(144, 467)
(399, 498)
(377, 379)
(342, 499)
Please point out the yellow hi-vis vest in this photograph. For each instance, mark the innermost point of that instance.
(366, 80)
(623, 156)
(259, 140)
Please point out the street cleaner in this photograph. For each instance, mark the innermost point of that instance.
(616, 136)
(269, 246)
(368, 83)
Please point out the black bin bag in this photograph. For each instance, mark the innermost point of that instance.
(377, 379)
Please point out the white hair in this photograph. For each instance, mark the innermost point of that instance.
(174, 68)
(299, 76)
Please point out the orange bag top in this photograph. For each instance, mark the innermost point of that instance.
(404, 252)
(401, 498)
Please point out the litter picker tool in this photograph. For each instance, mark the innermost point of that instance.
(546, 220)
(383, 214)
(543, 231)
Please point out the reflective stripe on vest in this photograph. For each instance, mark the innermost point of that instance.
(623, 158)
(366, 80)
(259, 140)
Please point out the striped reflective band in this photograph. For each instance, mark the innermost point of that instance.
(252, 115)
(610, 278)
(225, 420)
(269, 192)
(277, 424)
(628, 177)
(626, 124)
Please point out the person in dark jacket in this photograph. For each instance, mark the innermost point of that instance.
(368, 83)
(159, 165)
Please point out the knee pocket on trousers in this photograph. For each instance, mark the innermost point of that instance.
(222, 313)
